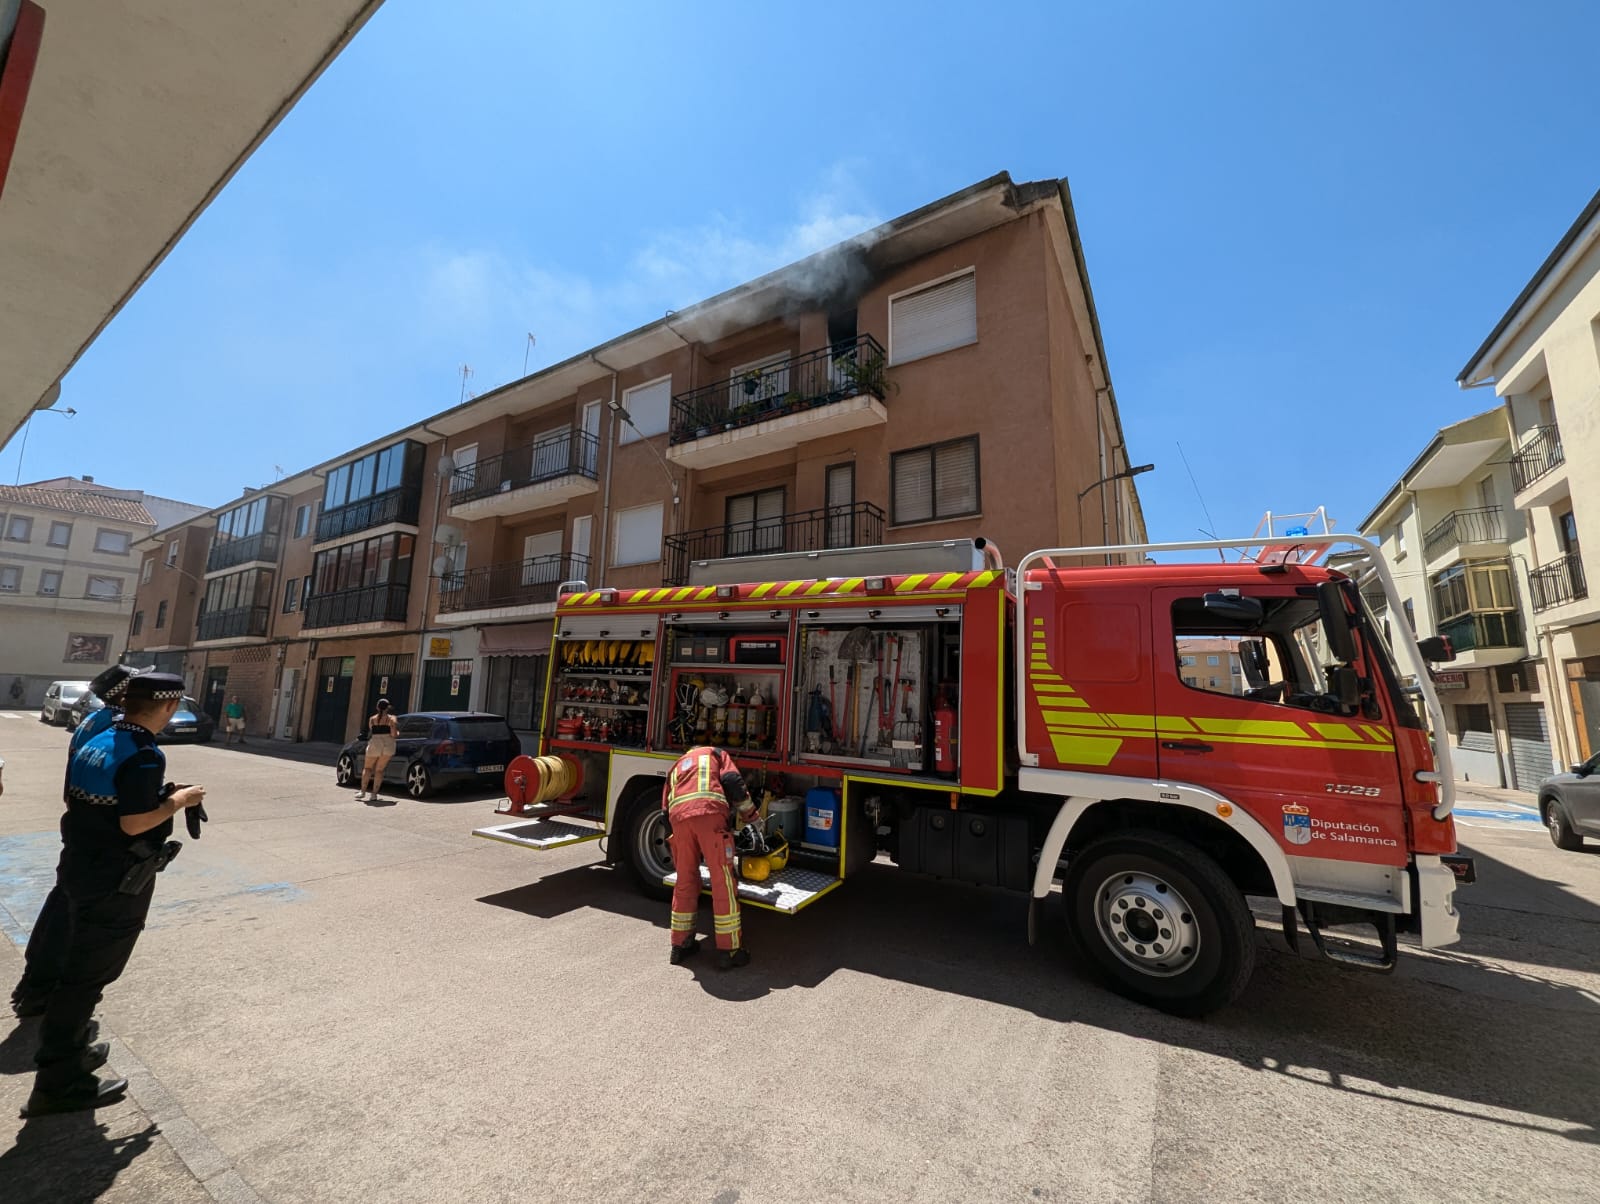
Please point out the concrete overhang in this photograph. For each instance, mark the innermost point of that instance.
(1449, 459)
(136, 116)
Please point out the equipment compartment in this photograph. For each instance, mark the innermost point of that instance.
(981, 847)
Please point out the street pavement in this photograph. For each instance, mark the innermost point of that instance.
(336, 1001)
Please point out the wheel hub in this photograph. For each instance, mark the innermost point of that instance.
(1147, 923)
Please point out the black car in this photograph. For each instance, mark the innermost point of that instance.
(434, 749)
(188, 722)
(1569, 804)
(86, 705)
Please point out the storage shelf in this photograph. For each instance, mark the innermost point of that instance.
(645, 673)
(611, 706)
(728, 668)
(593, 745)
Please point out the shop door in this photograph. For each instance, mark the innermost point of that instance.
(446, 685)
(216, 692)
(1583, 686)
(334, 677)
(1530, 744)
(389, 677)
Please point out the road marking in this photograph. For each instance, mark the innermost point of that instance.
(1505, 815)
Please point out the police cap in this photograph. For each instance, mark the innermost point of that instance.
(111, 682)
(152, 687)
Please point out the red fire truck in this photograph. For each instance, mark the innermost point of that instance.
(1163, 740)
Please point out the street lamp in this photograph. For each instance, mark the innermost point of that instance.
(67, 412)
(1104, 521)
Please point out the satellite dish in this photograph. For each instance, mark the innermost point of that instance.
(447, 535)
(446, 465)
(441, 565)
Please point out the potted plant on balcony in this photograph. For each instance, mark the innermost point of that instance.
(752, 382)
(866, 375)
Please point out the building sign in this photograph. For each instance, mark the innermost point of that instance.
(439, 646)
(1450, 679)
(88, 649)
(455, 684)
(383, 685)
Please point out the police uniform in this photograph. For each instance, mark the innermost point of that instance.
(107, 879)
(701, 786)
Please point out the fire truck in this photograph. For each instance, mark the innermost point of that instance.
(1163, 743)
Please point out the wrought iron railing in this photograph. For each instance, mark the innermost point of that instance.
(568, 453)
(263, 545)
(371, 604)
(1537, 456)
(234, 624)
(850, 368)
(854, 526)
(1377, 601)
(1484, 629)
(392, 506)
(1558, 582)
(1480, 525)
(516, 583)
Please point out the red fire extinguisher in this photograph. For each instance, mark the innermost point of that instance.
(944, 734)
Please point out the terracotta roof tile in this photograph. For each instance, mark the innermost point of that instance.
(77, 501)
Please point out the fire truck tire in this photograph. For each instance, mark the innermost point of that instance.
(644, 842)
(1161, 921)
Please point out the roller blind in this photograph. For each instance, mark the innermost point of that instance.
(935, 482)
(638, 538)
(934, 319)
(651, 407)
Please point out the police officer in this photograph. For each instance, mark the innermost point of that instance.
(702, 787)
(114, 841)
(47, 943)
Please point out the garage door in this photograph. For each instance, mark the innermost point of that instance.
(1530, 744)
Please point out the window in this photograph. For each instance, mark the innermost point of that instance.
(582, 531)
(50, 583)
(366, 563)
(1567, 532)
(375, 473)
(145, 570)
(105, 589)
(138, 623)
(161, 615)
(1411, 616)
(10, 579)
(60, 535)
(1211, 662)
(1276, 659)
(112, 543)
(754, 523)
(932, 319)
(302, 521)
(415, 727)
(1463, 588)
(291, 595)
(541, 558)
(935, 482)
(19, 528)
(638, 535)
(172, 552)
(841, 488)
(464, 460)
(1399, 541)
(650, 407)
(1472, 727)
(305, 590)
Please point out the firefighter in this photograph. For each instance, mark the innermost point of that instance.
(703, 789)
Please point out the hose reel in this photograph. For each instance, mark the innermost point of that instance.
(540, 782)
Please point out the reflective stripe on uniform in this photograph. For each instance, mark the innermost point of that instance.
(683, 921)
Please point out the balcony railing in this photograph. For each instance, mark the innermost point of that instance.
(851, 368)
(516, 583)
(263, 545)
(372, 604)
(392, 506)
(1484, 629)
(1481, 525)
(1377, 601)
(235, 624)
(1537, 456)
(574, 452)
(1558, 582)
(854, 526)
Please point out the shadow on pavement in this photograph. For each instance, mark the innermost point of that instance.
(1495, 915)
(1463, 1046)
(63, 1158)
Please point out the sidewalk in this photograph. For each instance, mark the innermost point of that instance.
(1478, 792)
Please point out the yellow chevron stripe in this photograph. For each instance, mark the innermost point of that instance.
(817, 587)
(1337, 731)
(946, 581)
(788, 588)
(852, 584)
(762, 590)
(705, 593)
(1061, 689)
(984, 578)
(910, 583)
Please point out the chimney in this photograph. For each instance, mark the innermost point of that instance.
(87, 479)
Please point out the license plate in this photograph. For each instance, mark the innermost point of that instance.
(1464, 868)
(491, 769)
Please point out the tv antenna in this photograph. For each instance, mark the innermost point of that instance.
(466, 375)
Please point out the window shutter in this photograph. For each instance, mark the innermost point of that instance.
(741, 510)
(913, 486)
(955, 472)
(841, 484)
(638, 535)
(934, 319)
(650, 406)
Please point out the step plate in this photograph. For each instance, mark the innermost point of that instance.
(787, 891)
(540, 833)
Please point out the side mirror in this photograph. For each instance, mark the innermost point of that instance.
(1235, 607)
(1336, 622)
(1345, 685)
(1581, 769)
(1253, 661)
(1437, 649)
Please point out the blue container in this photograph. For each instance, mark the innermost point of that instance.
(822, 819)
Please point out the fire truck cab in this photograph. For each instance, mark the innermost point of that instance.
(1160, 742)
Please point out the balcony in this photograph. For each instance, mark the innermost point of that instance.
(855, 526)
(242, 622)
(1557, 583)
(512, 589)
(1377, 601)
(548, 472)
(1537, 461)
(1484, 630)
(1475, 532)
(828, 392)
(230, 553)
(372, 604)
(398, 505)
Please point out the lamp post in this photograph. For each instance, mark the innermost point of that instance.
(68, 412)
(1116, 476)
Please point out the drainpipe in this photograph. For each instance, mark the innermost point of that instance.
(427, 579)
(610, 424)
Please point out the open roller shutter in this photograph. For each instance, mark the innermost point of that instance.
(1530, 744)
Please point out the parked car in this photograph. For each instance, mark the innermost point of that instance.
(88, 703)
(1569, 804)
(58, 700)
(434, 749)
(188, 722)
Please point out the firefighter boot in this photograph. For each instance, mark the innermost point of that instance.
(682, 953)
(732, 959)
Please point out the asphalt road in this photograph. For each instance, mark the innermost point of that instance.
(337, 1002)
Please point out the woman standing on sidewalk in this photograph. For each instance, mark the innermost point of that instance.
(380, 747)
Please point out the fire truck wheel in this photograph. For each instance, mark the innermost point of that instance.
(1161, 921)
(644, 843)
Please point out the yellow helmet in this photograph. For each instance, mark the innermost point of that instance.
(777, 851)
(755, 869)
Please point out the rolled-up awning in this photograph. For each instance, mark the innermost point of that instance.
(515, 639)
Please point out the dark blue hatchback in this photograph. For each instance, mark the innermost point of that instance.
(434, 749)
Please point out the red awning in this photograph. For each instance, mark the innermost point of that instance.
(515, 639)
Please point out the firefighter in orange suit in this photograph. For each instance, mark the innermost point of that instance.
(703, 788)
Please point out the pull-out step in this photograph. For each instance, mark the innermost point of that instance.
(787, 891)
(540, 833)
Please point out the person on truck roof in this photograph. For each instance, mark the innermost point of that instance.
(703, 788)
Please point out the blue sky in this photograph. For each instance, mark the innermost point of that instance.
(1299, 220)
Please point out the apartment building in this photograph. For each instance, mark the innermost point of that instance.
(67, 570)
(1459, 551)
(942, 376)
(1543, 360)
